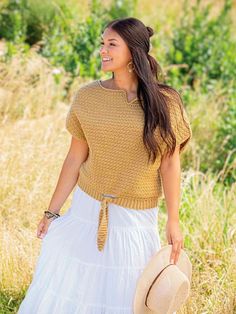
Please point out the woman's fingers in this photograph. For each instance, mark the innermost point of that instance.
(175, 238)
(175, 252)
(42, 228)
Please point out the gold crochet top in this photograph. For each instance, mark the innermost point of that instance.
(116, 169)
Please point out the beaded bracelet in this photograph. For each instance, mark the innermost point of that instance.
(50, 214)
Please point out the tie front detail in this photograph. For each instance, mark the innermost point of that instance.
(103, 220)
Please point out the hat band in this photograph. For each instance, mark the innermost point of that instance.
(155, 281)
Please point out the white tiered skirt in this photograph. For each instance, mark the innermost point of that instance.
(73, 277)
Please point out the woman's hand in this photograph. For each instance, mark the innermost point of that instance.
(174, 237)
(43, 226)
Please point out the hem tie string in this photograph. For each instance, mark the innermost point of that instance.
(103, 220)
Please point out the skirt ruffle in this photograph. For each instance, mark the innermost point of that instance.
(72, 276)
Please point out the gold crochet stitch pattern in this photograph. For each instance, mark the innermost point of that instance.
(117, 163)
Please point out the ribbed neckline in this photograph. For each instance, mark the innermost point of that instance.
(119, 91)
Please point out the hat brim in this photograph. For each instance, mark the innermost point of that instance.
(158, 261)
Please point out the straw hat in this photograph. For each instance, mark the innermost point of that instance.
(163, 287)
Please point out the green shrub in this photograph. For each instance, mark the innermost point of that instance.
(61, 38)
(13, 16)
(26, 20)
(226, 139)
(122, 8)
(203, 48)
(75, 45)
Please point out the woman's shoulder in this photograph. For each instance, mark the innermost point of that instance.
(85, 90)
(88, 86)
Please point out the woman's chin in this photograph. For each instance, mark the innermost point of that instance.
(106, 69)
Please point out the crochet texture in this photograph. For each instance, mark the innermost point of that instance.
(117, 168)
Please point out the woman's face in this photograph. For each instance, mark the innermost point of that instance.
(115, 48)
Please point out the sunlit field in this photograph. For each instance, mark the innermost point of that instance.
(34, 143)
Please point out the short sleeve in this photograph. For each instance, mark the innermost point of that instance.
(180, 125)
(73, 124)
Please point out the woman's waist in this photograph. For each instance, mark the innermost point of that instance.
(86, 208)
(133, 195)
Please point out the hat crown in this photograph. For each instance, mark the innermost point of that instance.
(171, 287)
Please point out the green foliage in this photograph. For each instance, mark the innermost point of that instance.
(39, 18)
(202, 54)
(226, 139)
(13, 18)
(58, 41)
(215, 135)
(75, 45)
(202, 46)
(13, 48)
(122, 8)
(26, 20)
(72, 44)
(63, 39)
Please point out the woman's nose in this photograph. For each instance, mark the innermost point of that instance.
(103, 50)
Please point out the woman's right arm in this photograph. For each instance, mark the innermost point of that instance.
(68, 177)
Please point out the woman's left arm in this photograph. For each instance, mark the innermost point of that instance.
(170, 170)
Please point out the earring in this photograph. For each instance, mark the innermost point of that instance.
(128, 66)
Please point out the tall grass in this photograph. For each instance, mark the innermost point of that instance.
(27, 87)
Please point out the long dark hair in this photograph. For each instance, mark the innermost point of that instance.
(153, 94)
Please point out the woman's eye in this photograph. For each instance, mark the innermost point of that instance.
(110, 44)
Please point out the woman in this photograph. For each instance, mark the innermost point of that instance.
(92, 256)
